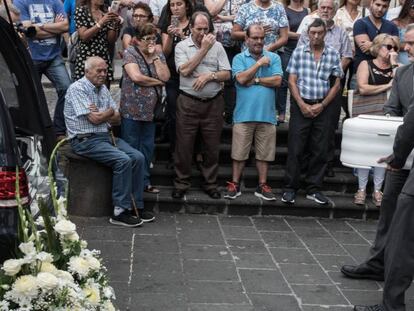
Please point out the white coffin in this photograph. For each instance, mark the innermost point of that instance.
(367, 138)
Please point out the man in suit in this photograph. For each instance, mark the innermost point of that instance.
(397, 105)
(399, 253)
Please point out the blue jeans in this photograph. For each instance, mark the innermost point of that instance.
(140, 135)
(55, 71)
(126, 162)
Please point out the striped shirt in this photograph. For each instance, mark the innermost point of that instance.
(79, 96)
(313, 78)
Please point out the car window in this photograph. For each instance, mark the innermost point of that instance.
(7, 84)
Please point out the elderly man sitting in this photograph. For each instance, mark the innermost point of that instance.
(89, 109)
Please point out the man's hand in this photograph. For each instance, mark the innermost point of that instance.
(316, 109)
(208, 41)
(59, 18)
(264, 61)
(387, 160)
(201, 81)
(365, 46)
(307, 111)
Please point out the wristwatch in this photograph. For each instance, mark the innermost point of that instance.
(213, 76)
(256, 80)
(156, 58)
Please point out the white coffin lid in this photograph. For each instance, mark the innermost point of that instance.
(386, 125)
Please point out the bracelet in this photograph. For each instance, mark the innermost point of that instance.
(98, 25)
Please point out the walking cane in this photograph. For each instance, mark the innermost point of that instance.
(134, 205)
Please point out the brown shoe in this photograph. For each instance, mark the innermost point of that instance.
(151, 189)
(359, 197)
(377, 198)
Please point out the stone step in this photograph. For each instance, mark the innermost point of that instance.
(343, 182)
(197, 202)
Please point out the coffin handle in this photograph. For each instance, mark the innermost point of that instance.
(384, 134)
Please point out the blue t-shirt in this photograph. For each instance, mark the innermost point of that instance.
(365, 26)
(255, 103)
(41, 12)
(70, 7)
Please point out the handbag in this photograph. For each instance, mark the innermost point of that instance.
(368, 104)
(160, 109)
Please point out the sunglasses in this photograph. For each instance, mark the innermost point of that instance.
(390, 47)
(149, 39)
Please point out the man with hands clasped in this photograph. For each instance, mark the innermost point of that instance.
(202, 64)
(257, 73)
(314, 80)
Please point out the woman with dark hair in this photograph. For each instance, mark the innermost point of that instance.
(295, 12)
(175, 27)
(144, 73)
(405, 18)
(141, 15)
(349, 12)
(97, 29)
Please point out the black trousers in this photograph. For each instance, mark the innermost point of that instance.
(310, 137)
(399, 255)
(394, 182)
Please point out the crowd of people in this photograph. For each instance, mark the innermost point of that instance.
(222, 58)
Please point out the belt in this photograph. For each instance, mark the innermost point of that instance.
(203, 100)
(82, 136)
(313, 101)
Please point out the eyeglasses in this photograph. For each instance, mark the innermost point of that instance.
(149, 39)
(390, 47)
(139, 16)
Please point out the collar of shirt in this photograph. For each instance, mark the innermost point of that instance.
(191, 42)
(307, 48)
(247, 53)
(90, 86)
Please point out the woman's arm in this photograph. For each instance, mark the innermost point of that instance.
(137, 77)
(167, 42)
(214, 7)
(162, 69)
(362, 79)
(126, 40)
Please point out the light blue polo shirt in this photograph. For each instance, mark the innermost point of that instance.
(255, 103)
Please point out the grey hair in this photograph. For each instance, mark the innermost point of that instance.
(410, 27)
(335, 4)
(91, 61)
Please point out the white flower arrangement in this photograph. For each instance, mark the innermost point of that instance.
(53, 270)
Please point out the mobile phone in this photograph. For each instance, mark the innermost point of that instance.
(174, 21)
(115, 6)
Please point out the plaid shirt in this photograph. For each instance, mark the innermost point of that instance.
(313, 78)
(79, 96)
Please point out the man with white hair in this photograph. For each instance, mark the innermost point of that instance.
(89, 109)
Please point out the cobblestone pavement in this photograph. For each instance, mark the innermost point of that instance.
(215, 263)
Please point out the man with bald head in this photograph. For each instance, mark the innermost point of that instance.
(89, 111)
(257, 73)
(203, 65)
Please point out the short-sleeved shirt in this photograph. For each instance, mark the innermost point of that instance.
(137, 101)
(313, 79)
(79, 96)
(275, 16)
(41, 12)
(255, 103)
(294, 18)
(335, 37)
(365, 26)
(215, 60)
(344, 20)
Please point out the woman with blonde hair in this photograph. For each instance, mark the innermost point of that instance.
(374, 77)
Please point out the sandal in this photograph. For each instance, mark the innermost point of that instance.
(151, 189)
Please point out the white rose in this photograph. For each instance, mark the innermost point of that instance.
(12, 266)
(44, 257)
(64, 275)
(94, 263)
(48, 267)
(109, 306)
(47, 280)
(79, 265)
(84, 244)
(28, 248)
(92, 294)
(108, 292)
(65, 227)
(26, 286)
(72, 237)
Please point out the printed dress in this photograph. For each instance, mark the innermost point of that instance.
(96, 46)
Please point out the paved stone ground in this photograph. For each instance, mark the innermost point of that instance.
(215, 263)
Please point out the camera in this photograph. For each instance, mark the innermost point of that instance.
(29, 32)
